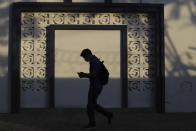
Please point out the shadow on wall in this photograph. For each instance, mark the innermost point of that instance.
(171, 55)
(73, 92)
(177, 5)
(174, 14)
(4, 53)
(180, 68)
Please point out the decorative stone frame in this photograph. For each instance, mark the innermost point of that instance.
(15, 38)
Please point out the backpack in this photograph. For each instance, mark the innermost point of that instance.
(103, 74)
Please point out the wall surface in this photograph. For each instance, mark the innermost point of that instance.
(180, 52)
(4, 42)
(140, 58)
(180, 55)
(70, 91)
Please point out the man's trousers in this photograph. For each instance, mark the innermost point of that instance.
(92, 105)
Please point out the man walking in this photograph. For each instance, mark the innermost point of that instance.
(94, 89)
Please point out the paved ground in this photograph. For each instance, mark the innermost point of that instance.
(74, 119)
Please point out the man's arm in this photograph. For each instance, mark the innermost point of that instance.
(94, 67)
(87, 75)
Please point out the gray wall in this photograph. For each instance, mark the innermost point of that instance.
(4, 36)
(180, 52)
(70, 91)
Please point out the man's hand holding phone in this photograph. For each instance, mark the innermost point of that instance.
(81, 74)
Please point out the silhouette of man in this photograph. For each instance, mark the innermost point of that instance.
(94, 89)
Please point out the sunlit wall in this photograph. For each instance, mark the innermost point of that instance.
(180, 52)
(70, 90)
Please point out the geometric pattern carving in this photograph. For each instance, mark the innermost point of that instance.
(28, 45)
(140, 45)
(140, 86)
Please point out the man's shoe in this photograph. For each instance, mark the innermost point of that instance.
(90, 126)
(110, 118)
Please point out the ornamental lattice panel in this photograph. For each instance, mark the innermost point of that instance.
(140, 40)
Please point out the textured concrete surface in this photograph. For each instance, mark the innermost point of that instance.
(74, 119)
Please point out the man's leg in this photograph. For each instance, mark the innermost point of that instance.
(90, 106)
(99, 108)
(103, 111)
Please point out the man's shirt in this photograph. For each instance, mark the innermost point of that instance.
(95, 66)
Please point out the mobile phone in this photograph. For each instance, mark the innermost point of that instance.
(79, 73)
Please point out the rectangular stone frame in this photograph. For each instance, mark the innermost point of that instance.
(51, 58)
(15, 37)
